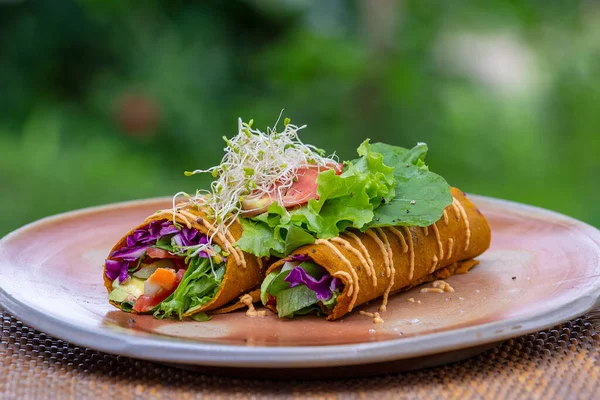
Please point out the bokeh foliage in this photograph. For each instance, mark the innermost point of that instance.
(102, 101)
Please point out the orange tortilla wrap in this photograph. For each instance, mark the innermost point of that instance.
(243, 272)
(383, 261)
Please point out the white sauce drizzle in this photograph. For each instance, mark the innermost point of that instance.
(348, 278)
(184, 215)
(390, 255)
(456, 210)
(428, 289)
(371, 269)
(252, 312)
(434, 265)
(441, 284)
(412, 251)
(345, 244)
(232, 240)
(388, 247)
(236, 254)
(242, 256)
(376, 317)
(354, 280)
(450, 247)
(445, 215)
(426, 230)
(370, 233)
(400, 237)
(467, 225)
(439, 241)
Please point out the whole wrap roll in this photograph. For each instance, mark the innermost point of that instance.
(244, 272)
(382, 261)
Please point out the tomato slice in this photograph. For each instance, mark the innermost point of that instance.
(178, 263)
(179, 276)
(153, 252)
(301, 191)
(147, 303)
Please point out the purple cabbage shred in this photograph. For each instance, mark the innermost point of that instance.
(117, 269)
(124, 273)
(130, 253)
(323, 287)
(336, 284)
(113, 269)
(138, 242)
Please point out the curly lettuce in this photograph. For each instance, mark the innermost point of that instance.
(386, 186)
(198, 286)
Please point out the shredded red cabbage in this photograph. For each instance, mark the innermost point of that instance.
(190, 237)
(117, 269)
(323, 287)
(130, 253)
(138, 242)
(336, 284)
(151, 233)
(124, 273)
(113, 268)
(169, 229)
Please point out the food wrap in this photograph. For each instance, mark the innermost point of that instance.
(244, 272)
(382, 261)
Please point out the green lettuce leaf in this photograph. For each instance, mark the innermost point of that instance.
(294, 300)
(332, 301)
(258, 239)
(198, 286)
(386, 186)
(165, 243)
(296, 237)
(200, 317)
(399, 156)
(298, 300)
(345, 200)
(420, 195)
(264, 298)
(278, 283)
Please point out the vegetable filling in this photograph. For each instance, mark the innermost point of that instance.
(166, 269)
(301, 287)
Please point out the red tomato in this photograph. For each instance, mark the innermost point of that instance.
(301, 191)
(178, 263)
(179, 277)
(153, 252)
(146, 303)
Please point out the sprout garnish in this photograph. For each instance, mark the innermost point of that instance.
(255, 164)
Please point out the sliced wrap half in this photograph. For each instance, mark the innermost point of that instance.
(382, 261)
(232, 273)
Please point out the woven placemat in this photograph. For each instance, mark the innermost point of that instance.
(561, 363)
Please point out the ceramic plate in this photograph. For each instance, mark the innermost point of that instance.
(542, 269)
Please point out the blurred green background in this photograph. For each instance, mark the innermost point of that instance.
(108, 100)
